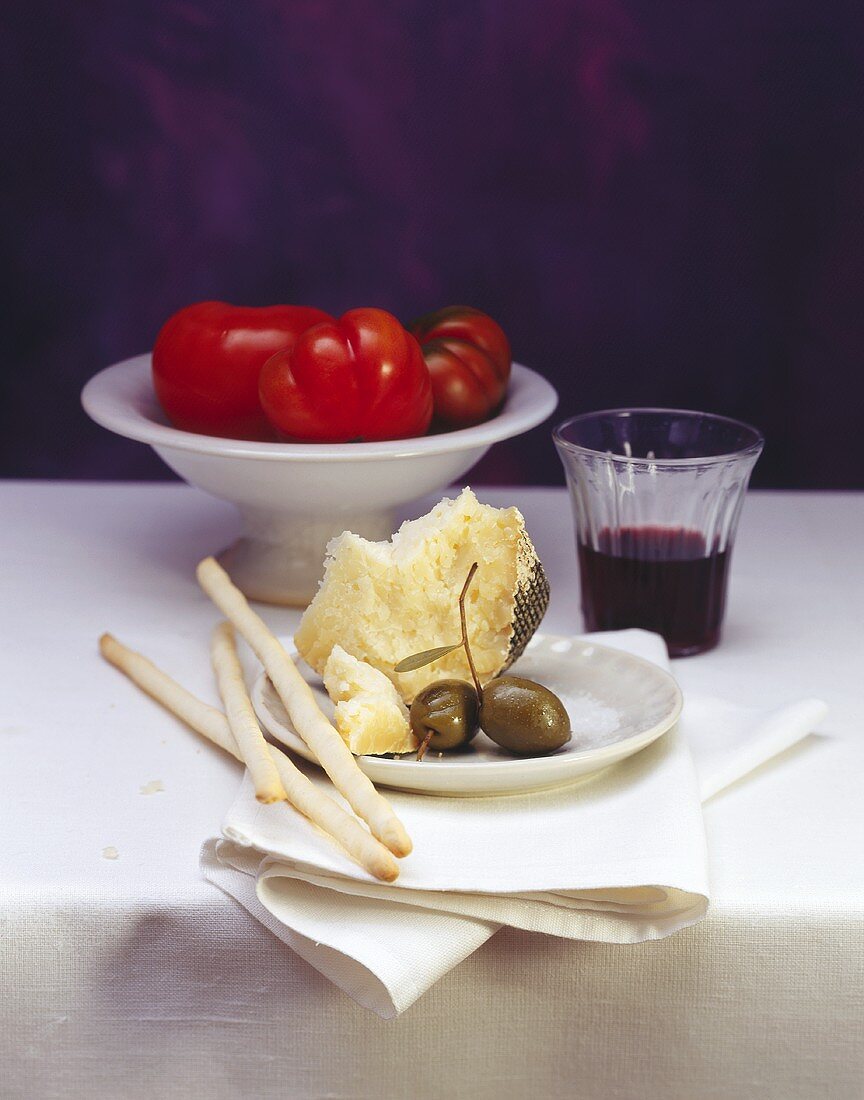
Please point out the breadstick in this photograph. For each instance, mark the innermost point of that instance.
(212, 723)
(241, 716)
(332, 753)
(199, 716)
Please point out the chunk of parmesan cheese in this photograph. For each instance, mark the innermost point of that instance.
(370, 716)
(383, 601)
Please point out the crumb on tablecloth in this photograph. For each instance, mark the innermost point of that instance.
(110, 852)
(153, 787)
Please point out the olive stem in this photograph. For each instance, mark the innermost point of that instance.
(462, 596)
(424, 745)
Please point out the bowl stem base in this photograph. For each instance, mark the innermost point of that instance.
(279, 558)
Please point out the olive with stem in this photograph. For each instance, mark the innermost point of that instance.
(519, 715)
(444, 715)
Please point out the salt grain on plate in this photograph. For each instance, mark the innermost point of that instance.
(593, 724)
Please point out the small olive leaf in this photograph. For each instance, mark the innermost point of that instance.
(418, 660)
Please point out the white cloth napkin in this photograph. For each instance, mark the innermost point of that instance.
(620, 858)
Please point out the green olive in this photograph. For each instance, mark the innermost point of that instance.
(523, 717)
(448, 710)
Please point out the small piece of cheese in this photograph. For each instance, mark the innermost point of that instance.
(384, 601)
(370, 716)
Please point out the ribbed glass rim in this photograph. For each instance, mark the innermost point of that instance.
(752, 448)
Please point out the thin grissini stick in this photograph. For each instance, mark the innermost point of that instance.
(212, 724)
(332, 753)
(198, 715)
(241, 717)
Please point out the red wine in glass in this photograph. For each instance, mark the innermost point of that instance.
(664, 579)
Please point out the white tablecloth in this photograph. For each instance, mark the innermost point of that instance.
(133, 977)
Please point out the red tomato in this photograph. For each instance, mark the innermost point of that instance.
(207, 360)
(359, 378)
(468, 357)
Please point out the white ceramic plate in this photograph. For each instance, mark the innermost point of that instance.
(618, 704)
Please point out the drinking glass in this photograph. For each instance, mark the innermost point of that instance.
(656, 496)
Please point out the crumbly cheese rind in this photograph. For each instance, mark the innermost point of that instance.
(382, 601)
(370, 716)
(532, 599)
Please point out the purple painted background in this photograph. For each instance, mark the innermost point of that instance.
(662, 203)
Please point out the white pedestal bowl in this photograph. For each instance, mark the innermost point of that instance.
(294, 497)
